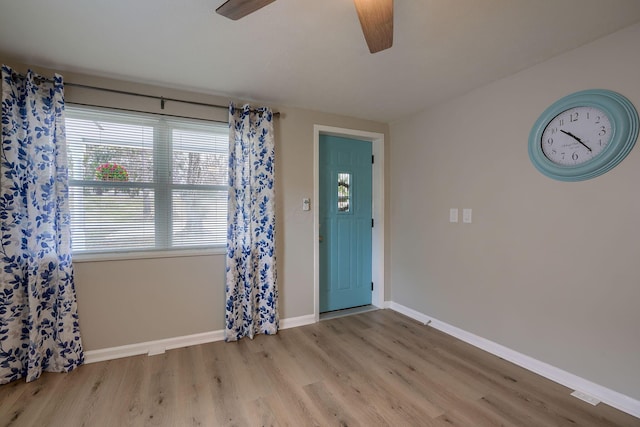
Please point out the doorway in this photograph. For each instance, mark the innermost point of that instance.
(375, 142)
(345, 206)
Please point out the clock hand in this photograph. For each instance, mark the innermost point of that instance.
(576, 138)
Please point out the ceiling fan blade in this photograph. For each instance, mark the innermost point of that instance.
(376, 19)
(236, 9)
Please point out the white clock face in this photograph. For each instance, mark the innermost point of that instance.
(576, 136)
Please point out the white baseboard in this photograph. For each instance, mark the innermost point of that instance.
(160, 346)
(294, 322)
(610, 397)
(151, 347)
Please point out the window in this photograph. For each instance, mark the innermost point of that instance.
(141, 182)
(344, 194)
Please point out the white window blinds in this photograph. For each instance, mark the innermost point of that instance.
(141, 182)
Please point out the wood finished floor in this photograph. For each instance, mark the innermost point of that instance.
(372, 369)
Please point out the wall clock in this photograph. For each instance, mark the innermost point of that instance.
(583, 135)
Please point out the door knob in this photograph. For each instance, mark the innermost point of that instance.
(320, 238)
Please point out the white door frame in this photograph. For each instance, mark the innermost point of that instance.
(377, 233)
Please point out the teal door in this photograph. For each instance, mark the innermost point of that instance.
(345, 223)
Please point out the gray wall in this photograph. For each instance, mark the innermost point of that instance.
(546, 268)
(549, 269)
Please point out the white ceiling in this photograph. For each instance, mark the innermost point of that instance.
(306, 53)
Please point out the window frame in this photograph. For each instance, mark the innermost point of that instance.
(162, 187)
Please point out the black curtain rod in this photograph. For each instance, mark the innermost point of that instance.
(162, 99)
(144, 112)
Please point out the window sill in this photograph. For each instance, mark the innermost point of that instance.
(122, 256)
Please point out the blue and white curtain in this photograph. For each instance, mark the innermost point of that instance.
(38, 313)
(251, 291)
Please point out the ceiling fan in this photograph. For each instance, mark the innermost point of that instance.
(376, 18)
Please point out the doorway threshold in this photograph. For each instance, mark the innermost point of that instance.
(347, 312)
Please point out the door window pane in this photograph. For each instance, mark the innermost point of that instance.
(344, 193)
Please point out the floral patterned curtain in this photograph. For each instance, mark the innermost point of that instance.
(251, 291)
(38, 314)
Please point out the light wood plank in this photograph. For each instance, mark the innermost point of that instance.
(260, 414)
(372, 369)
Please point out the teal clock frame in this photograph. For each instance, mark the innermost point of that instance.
(624, 128)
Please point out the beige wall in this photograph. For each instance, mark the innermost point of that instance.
(546, 268)
(132, 301)
(549, 269)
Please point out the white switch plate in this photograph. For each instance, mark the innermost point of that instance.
(453, 215)
(306, 204)
(466, 216)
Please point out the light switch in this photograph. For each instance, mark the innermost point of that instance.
(453, 215)
(306, 204)
(466, 216)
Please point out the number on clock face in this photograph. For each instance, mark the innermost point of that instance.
(576, 136)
